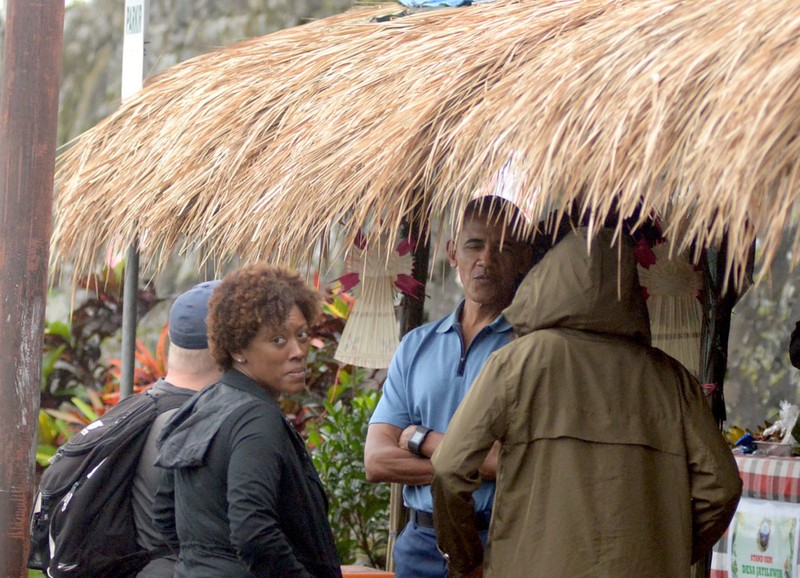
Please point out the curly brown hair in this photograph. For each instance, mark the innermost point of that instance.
(250, 298)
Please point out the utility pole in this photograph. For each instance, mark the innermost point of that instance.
(31, 71)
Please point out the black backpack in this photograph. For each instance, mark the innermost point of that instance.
(82, 522)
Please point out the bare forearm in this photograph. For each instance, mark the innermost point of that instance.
(399, 466)
(386, 459)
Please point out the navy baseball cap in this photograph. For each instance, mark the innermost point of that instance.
(187, 317)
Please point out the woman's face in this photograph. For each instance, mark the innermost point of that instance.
(276, 357)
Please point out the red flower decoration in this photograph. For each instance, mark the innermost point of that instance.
(644, 254)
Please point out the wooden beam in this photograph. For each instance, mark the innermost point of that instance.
(31, 71)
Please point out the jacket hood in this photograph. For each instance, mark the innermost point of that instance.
(186, 437)
(584, 285)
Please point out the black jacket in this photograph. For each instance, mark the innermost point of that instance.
(240, 494)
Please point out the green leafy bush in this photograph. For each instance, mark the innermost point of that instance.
(359, 511)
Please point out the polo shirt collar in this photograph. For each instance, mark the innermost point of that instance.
(450, 323)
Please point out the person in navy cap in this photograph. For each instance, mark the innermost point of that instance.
(190, 367)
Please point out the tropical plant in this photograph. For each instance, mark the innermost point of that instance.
(359, 511)
(57, 425)
(77, 384)
(333, 417)
(149, 367)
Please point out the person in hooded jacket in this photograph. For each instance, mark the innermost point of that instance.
(611, 463)
(240, 496)
(433, 368)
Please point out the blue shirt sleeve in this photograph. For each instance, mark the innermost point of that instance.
(392, 407)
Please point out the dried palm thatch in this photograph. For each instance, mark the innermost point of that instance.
(689, 108)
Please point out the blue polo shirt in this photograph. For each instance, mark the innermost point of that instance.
(429, 376)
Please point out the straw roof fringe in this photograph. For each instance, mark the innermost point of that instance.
(260, 150)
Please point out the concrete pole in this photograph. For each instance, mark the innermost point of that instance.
(130, 296)
(31, 71)
(136, 16)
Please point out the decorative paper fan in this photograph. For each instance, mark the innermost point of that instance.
(676, 314)
(370, 336)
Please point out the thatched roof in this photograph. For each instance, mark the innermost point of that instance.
(690, 107)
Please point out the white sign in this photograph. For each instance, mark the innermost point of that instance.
(763, 539)
(133, 47)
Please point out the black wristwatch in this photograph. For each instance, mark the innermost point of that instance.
(417, 439)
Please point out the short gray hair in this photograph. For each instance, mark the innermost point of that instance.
(190, 360)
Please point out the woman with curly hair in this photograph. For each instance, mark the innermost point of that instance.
(240, 495)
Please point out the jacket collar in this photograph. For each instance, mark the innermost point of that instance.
(240, 381)
(186, 437)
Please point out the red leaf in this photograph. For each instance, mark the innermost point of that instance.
(349, 280)
(406, 246)
(408, 285)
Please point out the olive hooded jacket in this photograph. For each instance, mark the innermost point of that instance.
(611, 463)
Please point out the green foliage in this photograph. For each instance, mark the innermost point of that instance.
(334, 417)
(77, 385)
(759, 374)
(359, 511)
(56, 426)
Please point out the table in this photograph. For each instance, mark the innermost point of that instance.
(762, 538)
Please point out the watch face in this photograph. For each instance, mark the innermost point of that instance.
(416, 439)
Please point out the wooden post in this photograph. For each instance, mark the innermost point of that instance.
(412, 316)
(717, 310)
(31, 71)
(414, 309)
(718, 306)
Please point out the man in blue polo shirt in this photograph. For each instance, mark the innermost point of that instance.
(431, 372)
